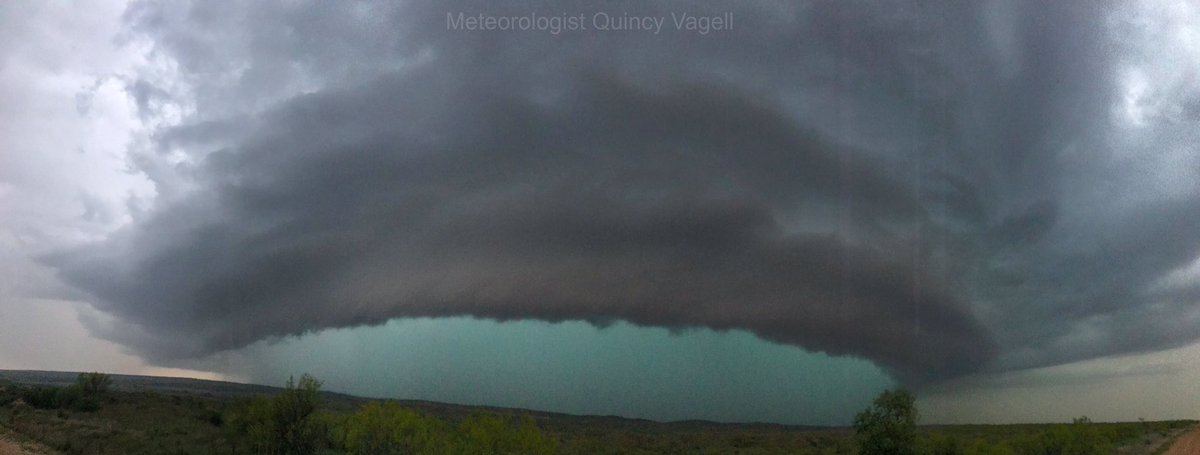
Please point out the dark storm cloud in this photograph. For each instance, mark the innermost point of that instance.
(897, 183)
(656, 208)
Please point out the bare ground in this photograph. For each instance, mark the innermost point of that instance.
(1188, 444)
(9, 446)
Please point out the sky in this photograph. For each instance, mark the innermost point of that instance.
(733, 211)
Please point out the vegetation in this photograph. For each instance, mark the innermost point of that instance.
(388, 428)
(118, 423)
(83, 396)
(282, 424)
(93, 384)
(889, 426)
(300, 419)
(1080, 437)
(289, 423)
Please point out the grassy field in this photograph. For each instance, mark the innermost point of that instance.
(142, 415)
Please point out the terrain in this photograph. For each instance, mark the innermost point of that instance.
(11, 444)
(154, 415)
(1187, 444)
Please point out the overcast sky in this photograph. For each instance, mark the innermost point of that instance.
(610, 208)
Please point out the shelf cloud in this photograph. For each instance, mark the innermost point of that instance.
(941, 191)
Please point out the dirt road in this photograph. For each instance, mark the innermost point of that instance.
(1188, 444)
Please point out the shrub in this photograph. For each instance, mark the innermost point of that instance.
(8, 393)
(938, 444)
(889, 426)
(41, 397)
(291, 412)
(389, 429)
(214, 418)
(490, 433)
(282, 424)
(1082, 437)
(68, 397)
(17, 414)
(93, 384)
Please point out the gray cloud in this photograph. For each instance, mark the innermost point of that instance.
(925, 188)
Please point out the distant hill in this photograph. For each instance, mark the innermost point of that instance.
(341, 401)
(133, 383)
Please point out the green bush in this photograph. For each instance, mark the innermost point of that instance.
(83, 396)
(8, 393)
(282, 424)
(1079, 438)
(41, 397)
(93, 384)
(493, 434)
(68, 397)
(982, 447)
(889, 426)
(388, 428)
(939, 444)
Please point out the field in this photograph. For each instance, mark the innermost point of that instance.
(146, 415)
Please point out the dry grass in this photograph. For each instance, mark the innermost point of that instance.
(11, 444)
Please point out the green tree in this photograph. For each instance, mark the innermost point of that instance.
(93, 384)
(889, 426)
(282, 424)
(1081, 437)
(495, 434)
(941, 444)
(292, 412)
(388, 428)
(238, 421)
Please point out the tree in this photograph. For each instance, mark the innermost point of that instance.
(93, 384)
(387, 428)
(282, 424)
(292, 409)
(889, 426)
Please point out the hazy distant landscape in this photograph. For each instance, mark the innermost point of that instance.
(157, 415)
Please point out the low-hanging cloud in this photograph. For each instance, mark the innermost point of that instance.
(931, 189)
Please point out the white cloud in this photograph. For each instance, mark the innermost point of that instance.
(66, 124)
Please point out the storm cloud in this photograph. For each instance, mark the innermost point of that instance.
(941, 190)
